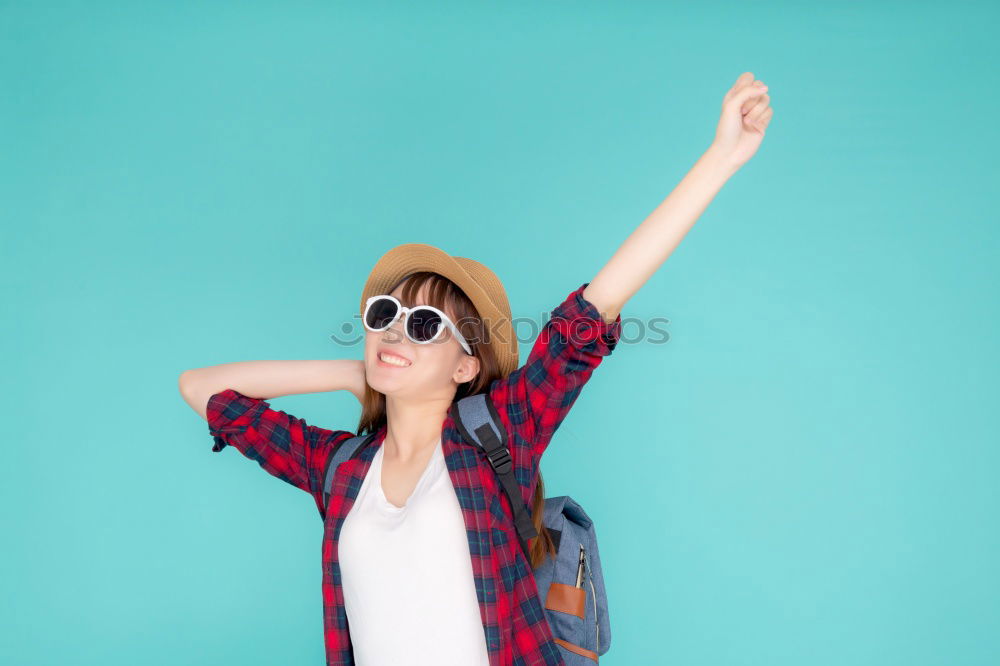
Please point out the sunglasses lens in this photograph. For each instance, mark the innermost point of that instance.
(381, 313)
(423, 325)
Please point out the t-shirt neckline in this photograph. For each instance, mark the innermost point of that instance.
(383, 501)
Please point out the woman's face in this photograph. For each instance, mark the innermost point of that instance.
(427, 370)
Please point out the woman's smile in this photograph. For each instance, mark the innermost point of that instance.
(390, 360)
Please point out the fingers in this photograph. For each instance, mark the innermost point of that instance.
(754, 103)
(742, 81)
(746, 97)
(753, 107)
(765, 118)
(759, 117)
(750, 96)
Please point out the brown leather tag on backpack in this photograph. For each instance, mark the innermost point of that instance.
(576, 649)
(567, 599)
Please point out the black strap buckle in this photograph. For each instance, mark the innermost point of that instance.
(500, 459)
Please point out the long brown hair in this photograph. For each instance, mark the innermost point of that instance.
(445, 295)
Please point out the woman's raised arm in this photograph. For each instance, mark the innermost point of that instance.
(232, 398)
(746, 112)
(271, 379)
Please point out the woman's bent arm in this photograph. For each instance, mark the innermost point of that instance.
(271, 379)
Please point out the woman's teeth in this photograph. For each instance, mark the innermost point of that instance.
(393, 360)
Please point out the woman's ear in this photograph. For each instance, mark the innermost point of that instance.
(468, 368)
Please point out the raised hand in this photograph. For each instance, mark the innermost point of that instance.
(746, 113)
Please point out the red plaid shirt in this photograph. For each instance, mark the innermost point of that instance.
(532, 401)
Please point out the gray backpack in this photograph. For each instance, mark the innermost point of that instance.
(571, 586)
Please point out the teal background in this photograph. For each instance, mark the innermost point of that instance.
(806, 472)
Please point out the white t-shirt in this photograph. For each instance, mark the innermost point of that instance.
(407, 575)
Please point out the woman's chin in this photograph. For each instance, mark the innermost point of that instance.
(383, 382)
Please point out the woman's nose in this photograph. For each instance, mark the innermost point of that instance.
(394, 333)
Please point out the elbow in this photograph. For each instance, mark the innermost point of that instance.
(194, 391)
(192, 388)
(185, 383)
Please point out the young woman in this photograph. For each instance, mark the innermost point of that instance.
(421, 559)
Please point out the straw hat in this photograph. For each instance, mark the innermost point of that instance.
(478, 282)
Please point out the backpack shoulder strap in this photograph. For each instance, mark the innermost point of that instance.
(481, 426)
(345, 451)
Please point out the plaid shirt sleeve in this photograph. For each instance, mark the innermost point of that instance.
(535, 398)
(285, 446)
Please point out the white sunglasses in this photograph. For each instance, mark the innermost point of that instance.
(422, 323)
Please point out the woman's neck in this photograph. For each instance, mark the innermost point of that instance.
(413, 427)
